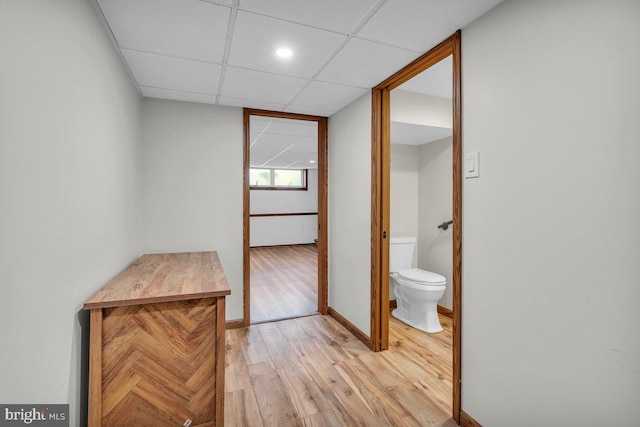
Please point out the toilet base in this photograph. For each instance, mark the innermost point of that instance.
(428, 325)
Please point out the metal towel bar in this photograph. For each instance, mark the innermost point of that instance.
(445, 225)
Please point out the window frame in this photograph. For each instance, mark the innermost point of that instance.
(303, 187)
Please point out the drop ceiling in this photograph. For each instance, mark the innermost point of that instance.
(283, 143)
(223, 51)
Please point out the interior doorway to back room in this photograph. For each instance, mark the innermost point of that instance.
(285, 216)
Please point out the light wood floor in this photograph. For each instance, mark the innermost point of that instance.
(310, 371)
(432, 352)
(284, 282)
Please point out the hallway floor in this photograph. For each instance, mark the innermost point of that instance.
(284, 282)
(312, 371)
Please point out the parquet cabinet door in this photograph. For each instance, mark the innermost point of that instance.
(158, 364)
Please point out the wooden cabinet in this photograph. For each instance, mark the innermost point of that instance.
(157, 343)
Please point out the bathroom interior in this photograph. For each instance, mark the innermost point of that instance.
(421, 207)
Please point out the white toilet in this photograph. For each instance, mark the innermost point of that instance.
(417, 291)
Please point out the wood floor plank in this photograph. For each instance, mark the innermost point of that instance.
(236, 372)
(310, 371)
(322, 419)
(241, 409)
(418, 407)
(422, 350)
(439, 393)
(274, 404)
(336, 391)
(380, 401)
(280, 349)
(254, 349)
(305, 395)
(284, 282)
(292, 330)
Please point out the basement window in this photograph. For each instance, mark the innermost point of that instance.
(277, 179)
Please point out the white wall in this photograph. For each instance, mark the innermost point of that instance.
(404, 190)
(285, 230)
(192, 184)
(350, 212)
(435, 188)
(420, 109)
(552, 225)
(69, 191)
(404, 196)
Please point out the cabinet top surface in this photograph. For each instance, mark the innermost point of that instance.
(164, 277)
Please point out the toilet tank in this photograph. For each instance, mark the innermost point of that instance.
(401, 253)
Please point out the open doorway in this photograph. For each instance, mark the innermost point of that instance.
(432, 117)
(420, 233)
(285, 256)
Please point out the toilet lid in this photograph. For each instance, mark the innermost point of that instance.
(422, 276)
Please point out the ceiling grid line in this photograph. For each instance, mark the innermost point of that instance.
(182, 58)
(278, 155)
(222, 52)
(178, 90)
(218, 3)
(261, 133)
(362, 23)
(264, 15)
(227, 47)
(342, 33)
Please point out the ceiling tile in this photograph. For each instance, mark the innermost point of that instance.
(256, 38)
(293, 157)
(257, 160)
(309, 110)
(268, 147)
(152, 92)
(273, 143)
(171, 73)
(293, 127)
(421, 24)
(304, 162)
(279, 142)
(328, 96)
(173, 47)
(307, 145)
(263, 87)
(222, 2)
(249, 103)
(365, 64)
(315, 13)
(258, 124)
(291, 160)
(183, 28)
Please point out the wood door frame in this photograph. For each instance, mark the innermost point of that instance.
(380, 202)
(323, 300)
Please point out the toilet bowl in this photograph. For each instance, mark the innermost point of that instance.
(417, 291)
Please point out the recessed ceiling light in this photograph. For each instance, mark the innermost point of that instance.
(312, 161)
(284, 52)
